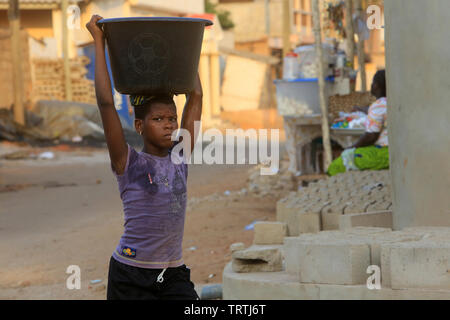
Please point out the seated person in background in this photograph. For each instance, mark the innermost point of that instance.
(371, 151)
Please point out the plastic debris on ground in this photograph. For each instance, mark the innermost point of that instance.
(47, 155)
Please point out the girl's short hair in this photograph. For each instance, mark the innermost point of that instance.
(142, 104)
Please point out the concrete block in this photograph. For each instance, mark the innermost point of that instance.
(382, 219)
(287, 214)
(330, 221)
(283, 286)
(291, 257)
(237, 246)
(327, 259)
(420, 264)
(308, 223)
(341, 262)
(258, 259)
(269, 233)
(385, 264)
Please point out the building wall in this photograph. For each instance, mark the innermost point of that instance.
(417, 58)
(188, 6)
(38, 23)
(250, 19)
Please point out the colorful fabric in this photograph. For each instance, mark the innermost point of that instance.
(377, 121)
(367, 158)
(137, 100)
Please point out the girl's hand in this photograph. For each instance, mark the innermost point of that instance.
(94, 29)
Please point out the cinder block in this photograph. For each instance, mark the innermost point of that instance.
(338, 262)
(382, 219)
(327, 257)
(308, 223)
(269, 232)
(330, 221)
(258, 259)
(237, 246)
(282, 286)
(291, 257)
(420, 264)
(286, 213)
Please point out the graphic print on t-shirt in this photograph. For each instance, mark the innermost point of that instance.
(178, 194)
(143, 172)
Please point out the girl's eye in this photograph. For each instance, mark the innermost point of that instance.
(157, 119)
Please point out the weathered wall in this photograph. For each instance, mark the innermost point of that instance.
(6, 69)
(418, 56)
(250, 19)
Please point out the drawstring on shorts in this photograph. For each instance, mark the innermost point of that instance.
(160, 278)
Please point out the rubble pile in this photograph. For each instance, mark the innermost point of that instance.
(276, 186)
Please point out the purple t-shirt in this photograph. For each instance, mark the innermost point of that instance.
(153, 193)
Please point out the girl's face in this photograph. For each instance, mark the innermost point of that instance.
(158, 125)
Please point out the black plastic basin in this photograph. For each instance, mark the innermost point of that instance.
(154, 55)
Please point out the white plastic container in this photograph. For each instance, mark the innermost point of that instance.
(291, 67)
(299, 97)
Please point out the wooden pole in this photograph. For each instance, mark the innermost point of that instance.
(65, 40)
(16, 52)
(350, 32)
(322, 98)
(361, 54)
(286, 27)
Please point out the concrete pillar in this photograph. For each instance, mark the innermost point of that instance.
(417, 55)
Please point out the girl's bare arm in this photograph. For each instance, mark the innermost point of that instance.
(118, 150)
(192, 110)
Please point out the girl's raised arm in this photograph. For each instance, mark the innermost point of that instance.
(118, 149)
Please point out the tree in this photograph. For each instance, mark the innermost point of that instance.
(224, 15)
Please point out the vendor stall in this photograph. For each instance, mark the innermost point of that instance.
(298, 103)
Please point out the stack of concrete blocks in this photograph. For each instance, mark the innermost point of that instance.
(413, 263)
(265, 255)
(340, 202)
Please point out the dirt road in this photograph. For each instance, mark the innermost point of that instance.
(67, 211)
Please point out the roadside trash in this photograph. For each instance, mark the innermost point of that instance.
(77, 139)
(17, 155)
(192, 248)
(96, 281)
(47, 155)
(227, 193)
(210, 292)
(55, 184)
(212, 275)
(251, 225)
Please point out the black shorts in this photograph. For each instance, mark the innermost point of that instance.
(132, 283)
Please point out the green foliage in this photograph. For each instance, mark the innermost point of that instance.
(224, 15)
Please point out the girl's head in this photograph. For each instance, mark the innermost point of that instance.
(155, 119)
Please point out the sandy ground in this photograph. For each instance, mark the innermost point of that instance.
(67, 211)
